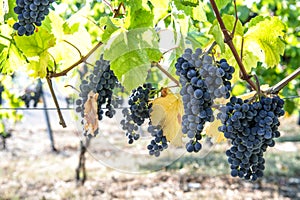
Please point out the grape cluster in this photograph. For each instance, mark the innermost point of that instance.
(31, 13)
(106, 82)
(102, 81)
(217, 76)
(159, 143)
(139, 110)
(195, 96)
(139, 103)
(251, 127)
(129, 126)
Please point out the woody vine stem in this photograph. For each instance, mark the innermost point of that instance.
(244, 75)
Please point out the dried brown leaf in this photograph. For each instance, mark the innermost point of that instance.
(90, 113)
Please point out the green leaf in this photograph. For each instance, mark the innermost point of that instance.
(256, 20)
(70, 29)
(182, 23)
(4, 67)
(199, 13)
(289, 106)
(229, 21)
(35, 44)
(193, 3)
(134, 76)
(248, 58)
(110, 28)
(54, 24)
(215, 30)
(217, 33)
(11, 59)
(138, 14)
(2, 46)
(244, 13)
(39, 68)
(131, 53)
(265, 40)
(160, 8)
(11, 13)
(196, 13)
(222, 3)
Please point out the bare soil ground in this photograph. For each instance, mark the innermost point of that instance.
(29, 170)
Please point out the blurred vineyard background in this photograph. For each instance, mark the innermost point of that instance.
(30, 169)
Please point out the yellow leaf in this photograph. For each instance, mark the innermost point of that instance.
(90, 113)
(11, 21)
(211, 130)
(167, 112)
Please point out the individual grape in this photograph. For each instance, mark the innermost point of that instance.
(21, 30)
(30, 13)
(251, 128)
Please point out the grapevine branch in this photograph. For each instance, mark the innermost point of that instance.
(276, 88)
(228, 40)
(81, 60)
(63, 73)
(61, 118)
(166, 73)
(118, 10)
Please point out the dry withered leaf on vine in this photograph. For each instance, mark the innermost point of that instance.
(90, 113)
(167, 112)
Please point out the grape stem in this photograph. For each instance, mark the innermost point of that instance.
(258, 86)
(80, 54)
(81, 60)
(228, 40)
(166, 73)
(109, 5)
(211, 47)
(173, 48)
(276, 88)
(71, 86)
(236, 19)
(6, 38)
(61, 118)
